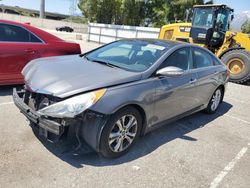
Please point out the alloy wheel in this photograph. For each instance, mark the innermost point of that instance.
(216, 100)
(123, 133)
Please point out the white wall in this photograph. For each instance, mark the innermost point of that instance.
(44, 23)
(105, 33)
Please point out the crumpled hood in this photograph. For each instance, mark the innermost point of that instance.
(64, 76)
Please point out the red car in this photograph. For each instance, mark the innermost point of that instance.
(21, 43)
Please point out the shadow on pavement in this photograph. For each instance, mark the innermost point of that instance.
(8, 90)
(144, 146)
(247, 83)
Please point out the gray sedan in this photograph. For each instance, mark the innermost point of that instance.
(110, 96)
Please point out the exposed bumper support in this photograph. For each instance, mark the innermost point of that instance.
(87, 126)
(34, 117)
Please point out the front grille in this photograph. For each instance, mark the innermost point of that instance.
(37, 101)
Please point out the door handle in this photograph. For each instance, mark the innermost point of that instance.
(30, 51)
(192, 81)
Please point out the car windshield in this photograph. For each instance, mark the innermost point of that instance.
(131, 55)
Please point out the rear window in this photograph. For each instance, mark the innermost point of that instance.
(216, 61)
(202, 58)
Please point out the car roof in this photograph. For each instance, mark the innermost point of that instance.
(169, 44)
(163, 42)
(45, 36)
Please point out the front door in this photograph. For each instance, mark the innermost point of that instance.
(17, 48)
(176, 95)
(207, 75)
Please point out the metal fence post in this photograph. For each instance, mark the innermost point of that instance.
(89, 30)
(136, 33)
(116, 33)
(100, 35)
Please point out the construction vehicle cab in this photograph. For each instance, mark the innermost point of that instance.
(210, 24)
(210, 29)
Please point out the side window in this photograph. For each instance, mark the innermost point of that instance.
(216, 61)
(202, 58)
(34, 39)
(11, 33)
(181, 58)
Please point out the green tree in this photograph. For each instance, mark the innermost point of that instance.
(161, 12)
(101, 11)
(89, 9)
(132, 12)
(245, 28)
(178, 8)
(156, 12)
(137, 12)
(107, 11)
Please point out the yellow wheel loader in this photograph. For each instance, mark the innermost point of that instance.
(210, 29)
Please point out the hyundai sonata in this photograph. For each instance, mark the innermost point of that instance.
(112, 95)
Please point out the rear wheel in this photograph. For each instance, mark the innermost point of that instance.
(120, 132)
(238, 63)
(215, 101)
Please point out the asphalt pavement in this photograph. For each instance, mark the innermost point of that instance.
(198, 151)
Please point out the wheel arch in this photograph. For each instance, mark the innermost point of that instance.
(140, 110)
(223, 91)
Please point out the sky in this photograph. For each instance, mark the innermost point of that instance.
(63, 6)
(238, 5)
(59, 6)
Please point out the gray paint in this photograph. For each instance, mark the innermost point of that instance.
(64, 76)
(160, 97)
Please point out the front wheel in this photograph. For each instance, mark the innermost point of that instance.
(120, 132)
(214, 101)
(238, 63)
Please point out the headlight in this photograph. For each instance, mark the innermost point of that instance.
(73, 106)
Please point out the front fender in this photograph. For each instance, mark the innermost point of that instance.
(228, 50)
(139, 93)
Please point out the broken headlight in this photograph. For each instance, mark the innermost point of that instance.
(71, 107)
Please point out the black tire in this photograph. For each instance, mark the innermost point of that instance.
(243, 56)
(105, 148)
(210, 109)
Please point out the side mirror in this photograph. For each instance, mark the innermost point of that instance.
(170, 71)
(232, 17)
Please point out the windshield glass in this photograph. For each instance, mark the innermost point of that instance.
(223, 19)
(203, 17)
(131, 55)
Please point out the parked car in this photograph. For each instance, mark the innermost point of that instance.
(21, 43)
(116, 93)
(65, 28)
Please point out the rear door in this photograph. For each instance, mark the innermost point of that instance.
(207, 74)
(17, 47)
(176, 95)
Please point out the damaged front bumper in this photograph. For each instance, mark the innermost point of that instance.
(46, 124)
(88, 126)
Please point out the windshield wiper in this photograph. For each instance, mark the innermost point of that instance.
(102, 62)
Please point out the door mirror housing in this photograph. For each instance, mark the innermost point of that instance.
(170, 71)
(232, 17)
